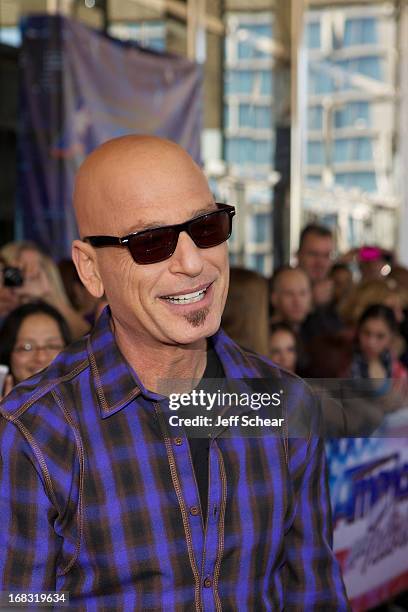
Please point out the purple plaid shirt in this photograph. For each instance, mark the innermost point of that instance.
(99, 498)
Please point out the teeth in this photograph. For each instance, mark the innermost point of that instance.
(187, 298)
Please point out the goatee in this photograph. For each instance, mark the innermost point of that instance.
(198, 317)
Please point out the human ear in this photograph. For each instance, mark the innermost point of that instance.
(84, 258)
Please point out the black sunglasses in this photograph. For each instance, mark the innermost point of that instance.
(157, 244)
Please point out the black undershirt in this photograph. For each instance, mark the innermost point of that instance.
(199, 447)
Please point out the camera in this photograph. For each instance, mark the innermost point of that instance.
(12, 277)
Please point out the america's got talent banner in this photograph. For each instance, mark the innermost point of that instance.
(80, 88)
(369, 492)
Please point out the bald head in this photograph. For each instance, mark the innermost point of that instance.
(130, 172)
(291, 295)
(137, 183)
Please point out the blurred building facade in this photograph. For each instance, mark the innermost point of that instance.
(350, 119)
(345, 115)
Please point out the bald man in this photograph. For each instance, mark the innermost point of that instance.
(103, 498)
(291, 296)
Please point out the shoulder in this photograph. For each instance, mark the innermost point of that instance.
(399, 370)
(34, 427)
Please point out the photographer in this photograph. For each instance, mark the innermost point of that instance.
(8, 299)
(30, 276)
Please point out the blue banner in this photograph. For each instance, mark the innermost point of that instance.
(80, 88)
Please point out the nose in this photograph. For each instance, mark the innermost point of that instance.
(41, 356)
(187, 258)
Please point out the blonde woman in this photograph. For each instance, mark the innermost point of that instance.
(42, 280)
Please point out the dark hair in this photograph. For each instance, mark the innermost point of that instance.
(317, 230)
(328, 356)
(379, 311)
(339, 266)
(12, 323)
(274, 328)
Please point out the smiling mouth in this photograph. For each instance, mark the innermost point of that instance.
(186, 298)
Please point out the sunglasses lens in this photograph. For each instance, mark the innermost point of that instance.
(160, 243)
(153, 246)
(211, 230)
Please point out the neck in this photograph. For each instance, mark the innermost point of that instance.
(155, 363)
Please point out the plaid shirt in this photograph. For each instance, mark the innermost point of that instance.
(99, 498)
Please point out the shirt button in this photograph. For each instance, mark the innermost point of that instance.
(194, 510)
(178, 441)
(208, 582)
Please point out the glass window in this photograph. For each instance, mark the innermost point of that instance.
(239, 150)
(263, 152)
(258, 29)
(314, 179)
(361, 31)
(315, 153)
(255, 116)
(226, 116)
(256, 262)
(261, 228)
(243, 150)
(253, 40)
(366, 181)
(239, 81)
(313, 35)
(315, 118)
(353, 149)
(344, 115)
(353, 114)
(368, 66)
(249, 149)
(266, 82)
(245, 115)
(320, 82)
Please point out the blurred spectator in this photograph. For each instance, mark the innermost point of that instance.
(245, 317)
(382, 291)
(374, 263)
(78, 294)
(42, 280)
(373, 357)
(316, 246)
(31, 336)
(291, 299)
(8, 301)
(349, 408)
(291, 296)
(399, 274)
(342, 278)
(283, 346)
(329, 356)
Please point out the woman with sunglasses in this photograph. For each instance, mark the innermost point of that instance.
(31, 336)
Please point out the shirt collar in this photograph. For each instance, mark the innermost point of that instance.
(116, 383)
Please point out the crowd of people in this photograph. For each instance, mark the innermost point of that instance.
(43, 307)
(344, 317)
(325, 317)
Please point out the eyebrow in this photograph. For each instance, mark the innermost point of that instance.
(139, 227)
(35, 340)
